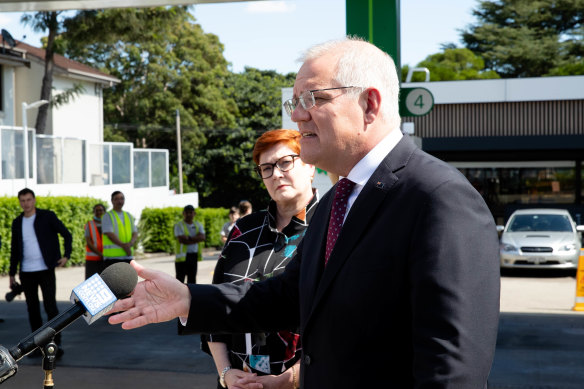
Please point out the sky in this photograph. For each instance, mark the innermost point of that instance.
(273, 34)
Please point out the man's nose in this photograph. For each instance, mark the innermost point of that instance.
(300, 114)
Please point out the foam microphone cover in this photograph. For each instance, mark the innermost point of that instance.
(121, 278)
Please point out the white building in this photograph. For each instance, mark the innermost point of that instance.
(71, 158)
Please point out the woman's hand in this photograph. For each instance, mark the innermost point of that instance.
(282, 381)
(239, 379)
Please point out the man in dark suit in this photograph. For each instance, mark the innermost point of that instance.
(408, 296)
(36, 250)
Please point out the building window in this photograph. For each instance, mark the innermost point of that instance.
(546, 182)
(12, 154)
(1, 88)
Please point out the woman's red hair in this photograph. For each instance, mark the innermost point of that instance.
(290, 138)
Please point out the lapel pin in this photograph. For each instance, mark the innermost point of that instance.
(379, 185)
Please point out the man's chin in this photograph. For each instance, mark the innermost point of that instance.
(309, 152)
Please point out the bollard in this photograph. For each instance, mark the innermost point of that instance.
(579, 302)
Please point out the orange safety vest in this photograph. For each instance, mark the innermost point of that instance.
(95, 238)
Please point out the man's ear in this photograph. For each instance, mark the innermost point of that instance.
(372, 104)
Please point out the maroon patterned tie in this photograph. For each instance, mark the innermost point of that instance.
(344, 189)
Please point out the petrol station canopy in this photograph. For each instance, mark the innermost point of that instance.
(55, 5)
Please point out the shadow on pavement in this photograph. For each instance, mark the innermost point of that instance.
(539, 351)
(102, 355)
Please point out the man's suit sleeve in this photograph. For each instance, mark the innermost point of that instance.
(14, 249)
(454, 276)
(218, 278)
(270, 305)
(58, 225)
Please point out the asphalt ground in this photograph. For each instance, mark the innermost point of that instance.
(101, 355)
(540, 343)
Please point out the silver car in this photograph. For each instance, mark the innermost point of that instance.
(542, 238)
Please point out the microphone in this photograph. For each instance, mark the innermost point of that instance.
(92, 298)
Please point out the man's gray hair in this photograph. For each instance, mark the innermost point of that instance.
(362, 64)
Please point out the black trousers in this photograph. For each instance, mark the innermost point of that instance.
(31, 281)
(187, 269)
(93, 267)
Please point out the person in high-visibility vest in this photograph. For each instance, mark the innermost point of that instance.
(189, 233)
(119, 232)
(94, 242)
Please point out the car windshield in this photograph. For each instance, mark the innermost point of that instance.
(551, 223)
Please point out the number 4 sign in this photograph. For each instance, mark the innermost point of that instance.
(415, 102)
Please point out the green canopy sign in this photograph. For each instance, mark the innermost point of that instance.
(415, 102)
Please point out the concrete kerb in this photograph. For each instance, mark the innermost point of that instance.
(69, 277)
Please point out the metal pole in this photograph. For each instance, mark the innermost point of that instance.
(179, 153)
(25, 134)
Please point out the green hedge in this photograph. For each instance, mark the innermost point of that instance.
(74, 212)
(156, 227)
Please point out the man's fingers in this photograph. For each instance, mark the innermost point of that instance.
(122, 305)
(129, 319)
(140, 321)
(121, 317)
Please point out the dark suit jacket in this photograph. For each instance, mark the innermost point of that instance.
(46, 227)
(410, 295)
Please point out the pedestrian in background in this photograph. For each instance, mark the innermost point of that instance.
(94, 242)
(189, 233)
(233, 216)
(36, 250)
(245, 208)
(119, 232)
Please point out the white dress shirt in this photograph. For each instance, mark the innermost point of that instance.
(363, 170)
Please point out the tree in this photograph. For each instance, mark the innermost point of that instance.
(158, 53)
(528, 38)
(228, 152)
(42, 21)
(165, 62)
(453, 64)
(258, 96)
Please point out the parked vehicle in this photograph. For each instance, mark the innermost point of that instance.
(540, 238)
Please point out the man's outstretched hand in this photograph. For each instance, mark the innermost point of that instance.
(158, 298)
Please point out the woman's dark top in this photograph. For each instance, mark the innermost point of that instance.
(255, 251)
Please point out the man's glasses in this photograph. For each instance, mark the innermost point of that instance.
(307, 99)
(286, 163)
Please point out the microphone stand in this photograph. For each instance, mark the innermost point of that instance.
(49, 360)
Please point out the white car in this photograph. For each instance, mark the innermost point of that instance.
(540, 238)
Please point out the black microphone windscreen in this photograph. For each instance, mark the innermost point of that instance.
(121, 278)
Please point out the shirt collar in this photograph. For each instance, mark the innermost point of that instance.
(364, 169)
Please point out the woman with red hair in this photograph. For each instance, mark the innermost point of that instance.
(260, 246)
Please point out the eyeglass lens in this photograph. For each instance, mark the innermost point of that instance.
(306, 99)
(285, 163)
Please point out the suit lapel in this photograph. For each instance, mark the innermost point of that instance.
(362, 211)
(313, 251)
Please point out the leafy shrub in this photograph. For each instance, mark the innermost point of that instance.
(156, 227)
